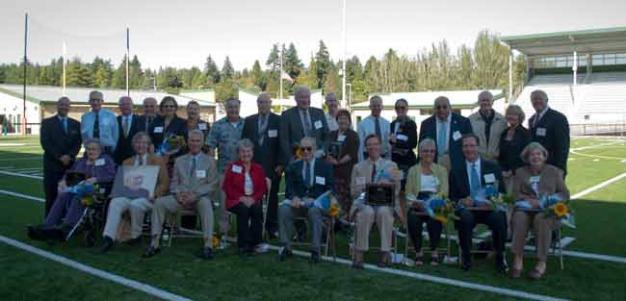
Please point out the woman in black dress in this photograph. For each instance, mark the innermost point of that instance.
(403, 139)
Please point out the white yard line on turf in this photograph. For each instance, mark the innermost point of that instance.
(595, 145)
(9, 173)
(599, 186)
(584, 255)
(21, 158)
(146, 288)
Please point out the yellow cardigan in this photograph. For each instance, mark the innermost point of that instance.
(413, 180)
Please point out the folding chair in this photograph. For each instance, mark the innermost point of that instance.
(556, 248)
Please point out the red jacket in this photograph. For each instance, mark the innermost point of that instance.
(233, 185)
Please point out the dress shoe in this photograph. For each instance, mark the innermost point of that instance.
(501, 264)
(207, 253)
(535, 274)
(315, 257)
(150, 252)
(107, 244)
(466, 266)
(516, 273)
(283, 253)
(34, 233)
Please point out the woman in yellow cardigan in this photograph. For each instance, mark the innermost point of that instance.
(425, 179)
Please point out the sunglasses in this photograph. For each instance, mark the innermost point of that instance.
(307, 148)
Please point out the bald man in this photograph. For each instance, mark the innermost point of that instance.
(60, 139)
(129, 124)
(488, 125)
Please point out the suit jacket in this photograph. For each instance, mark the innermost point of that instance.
(428, 129)
(124, 147)
(322, 178)
(403, 151)
(550, 182)
(362, 175)
(177, 126)
(291, 131)
(56, 143)
(163, 181)
(267, 155)
(459, 182)
(489, 150)
(552, 131)
(349, 146)
(202, 181)
(510, 151)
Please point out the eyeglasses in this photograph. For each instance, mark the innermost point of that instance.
(441, 107)
(307, 148)
(428, 151)
(169, 106)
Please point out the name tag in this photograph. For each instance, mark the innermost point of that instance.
(456, 135)
(158, 129)
(320, 180)
(236, 169)
(272, 133)
(402, 137)
(200, 174)
(489, 178)
(534, 179)
(201, 126)
(541, 132)
(318, 124)
(100, 162)
(341, 138)
(361, 181)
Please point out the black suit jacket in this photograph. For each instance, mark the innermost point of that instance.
(403, 151)
(552, 131)
(459, 182)
(178, 126)
(268, 154)
(124, 147)
(428, 129)
(291, 131)
(295, 186)
(56, 143)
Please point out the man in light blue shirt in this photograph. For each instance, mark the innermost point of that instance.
(100, 124)
(377, 125)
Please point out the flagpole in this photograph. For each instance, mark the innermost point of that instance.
(343, 60)
(64, 58)
(25, 73)
(127, 59)
(280, 74)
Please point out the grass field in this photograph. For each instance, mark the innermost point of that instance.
(600, 229)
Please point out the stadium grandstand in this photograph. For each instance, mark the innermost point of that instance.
(583, 73)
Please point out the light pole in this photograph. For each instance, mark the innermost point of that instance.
(349, 106)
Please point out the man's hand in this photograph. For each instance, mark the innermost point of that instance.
(467, 202)
(65, 160)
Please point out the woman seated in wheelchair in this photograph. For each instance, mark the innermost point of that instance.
(425, 180)
(244, 186)
(375, 186)
(533, 186)
(80, 182)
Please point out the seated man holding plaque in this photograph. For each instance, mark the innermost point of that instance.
(306, 180)
(134, 191)
(194, 180)
(375, 186)
(471, 187)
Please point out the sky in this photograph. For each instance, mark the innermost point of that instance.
(183, 33)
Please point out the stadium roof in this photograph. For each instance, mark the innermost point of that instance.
(556, 43)
(81, 95)
(458, 99)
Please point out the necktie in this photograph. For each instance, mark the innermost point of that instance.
(306, 122)
(140, 159)
(475, 185)
(64, 121)
(377, 128)
(148, 122)
(96, 126)
(441, 138)
(125, 125)
(373, 173)
(307, 173)
(262, 128)
(193, 166)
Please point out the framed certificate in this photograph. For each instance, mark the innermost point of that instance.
(135, 181)
(377, 194)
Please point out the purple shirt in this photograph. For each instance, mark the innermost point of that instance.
(103, 173)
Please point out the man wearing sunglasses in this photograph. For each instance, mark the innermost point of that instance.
(306, 180)
(100, 124)
(446, 128)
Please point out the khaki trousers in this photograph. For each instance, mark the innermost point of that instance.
(542, 228)
(168, 205)
(365, 217)
(118, 206)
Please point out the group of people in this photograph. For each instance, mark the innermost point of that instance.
(317, 152)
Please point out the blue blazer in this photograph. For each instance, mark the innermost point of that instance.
(459, 182)
(428, 129)
(295, 186)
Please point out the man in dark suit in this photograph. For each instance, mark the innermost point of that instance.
(60, 139)
(302, 121)
(129, 124)
(446, 128)
(149, 109)
(262, 129)
(551, 129)
(306, 180)
(466, 184)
